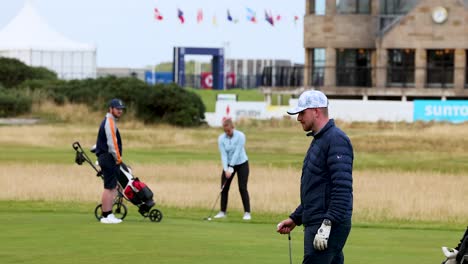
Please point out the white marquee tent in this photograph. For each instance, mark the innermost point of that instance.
(30, 39)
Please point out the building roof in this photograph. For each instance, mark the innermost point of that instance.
(28, 30)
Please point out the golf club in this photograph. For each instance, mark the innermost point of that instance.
(81, 157)
(290, 254)
(216, 201)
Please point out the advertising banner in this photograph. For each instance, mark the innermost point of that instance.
(206, 80)
(455, 111)
(158, 77)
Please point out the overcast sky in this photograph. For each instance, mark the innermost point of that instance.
(127, 35)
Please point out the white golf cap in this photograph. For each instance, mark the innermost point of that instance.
(309, 99)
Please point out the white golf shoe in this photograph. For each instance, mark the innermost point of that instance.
(221, 214)
(111, 219)
(247, 216)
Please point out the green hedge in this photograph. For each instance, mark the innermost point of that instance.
(170, 104)
(13, 72)
(13, 103)
(152, 104)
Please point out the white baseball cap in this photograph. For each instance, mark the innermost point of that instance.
(309, 99)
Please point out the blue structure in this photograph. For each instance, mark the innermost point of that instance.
(217, 64)
(158, 77)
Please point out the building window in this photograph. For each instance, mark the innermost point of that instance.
(353, 6)
(396, 7)
(317, 7)
(318, 67)
(440, 68)
(400, 68)
(353, 67)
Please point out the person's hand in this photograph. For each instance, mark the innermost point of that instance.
(450, 253)
(285, 226)
(228, 172)
(323, 233)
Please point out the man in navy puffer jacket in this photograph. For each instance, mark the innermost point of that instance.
(326, 184)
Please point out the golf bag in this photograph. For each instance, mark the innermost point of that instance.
(129, 188)
(458, 255)
(134, 190)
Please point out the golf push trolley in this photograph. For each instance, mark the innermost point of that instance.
(129, 188)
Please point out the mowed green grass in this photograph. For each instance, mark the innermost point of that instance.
(38, 232)
(55, 232)
(444, 162)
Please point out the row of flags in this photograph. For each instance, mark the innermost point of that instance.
(251, 16)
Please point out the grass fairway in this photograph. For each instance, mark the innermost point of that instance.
(406, 185)
(38, 232)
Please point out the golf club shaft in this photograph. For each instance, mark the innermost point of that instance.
(217, 198)
(214, 205)
(290, 254)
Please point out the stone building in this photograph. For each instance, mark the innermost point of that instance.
(385, 49)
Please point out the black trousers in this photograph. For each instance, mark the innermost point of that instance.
(242, 172)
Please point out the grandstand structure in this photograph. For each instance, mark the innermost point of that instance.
(380, 49)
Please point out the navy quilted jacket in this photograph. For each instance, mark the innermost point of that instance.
(326, 182)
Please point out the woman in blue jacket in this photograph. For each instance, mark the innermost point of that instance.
(234, 160)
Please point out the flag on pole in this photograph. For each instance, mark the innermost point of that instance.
(296, 18)
(229, 17)
(251, 15)
(157, 14)
(269, 18)
(180, 14)
(199, 15)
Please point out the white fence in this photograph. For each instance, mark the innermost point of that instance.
(348, 110)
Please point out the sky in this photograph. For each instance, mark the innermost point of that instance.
(126, 33)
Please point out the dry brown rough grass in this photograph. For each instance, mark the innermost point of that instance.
(377, 196)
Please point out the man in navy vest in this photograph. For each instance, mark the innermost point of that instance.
(326, 184)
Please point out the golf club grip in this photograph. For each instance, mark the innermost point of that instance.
(222, 187)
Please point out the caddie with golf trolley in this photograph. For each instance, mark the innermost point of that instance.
(129, 188)
(117, 177)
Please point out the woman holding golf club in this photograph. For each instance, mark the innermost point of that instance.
(235, 161)
(326, 184)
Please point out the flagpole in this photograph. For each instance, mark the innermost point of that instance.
(226, 47)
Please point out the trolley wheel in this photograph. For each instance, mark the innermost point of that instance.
(155, 215)
(118, 209)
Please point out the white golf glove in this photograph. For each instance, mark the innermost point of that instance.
(450, 253)
(228, 172)
(323, 233)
